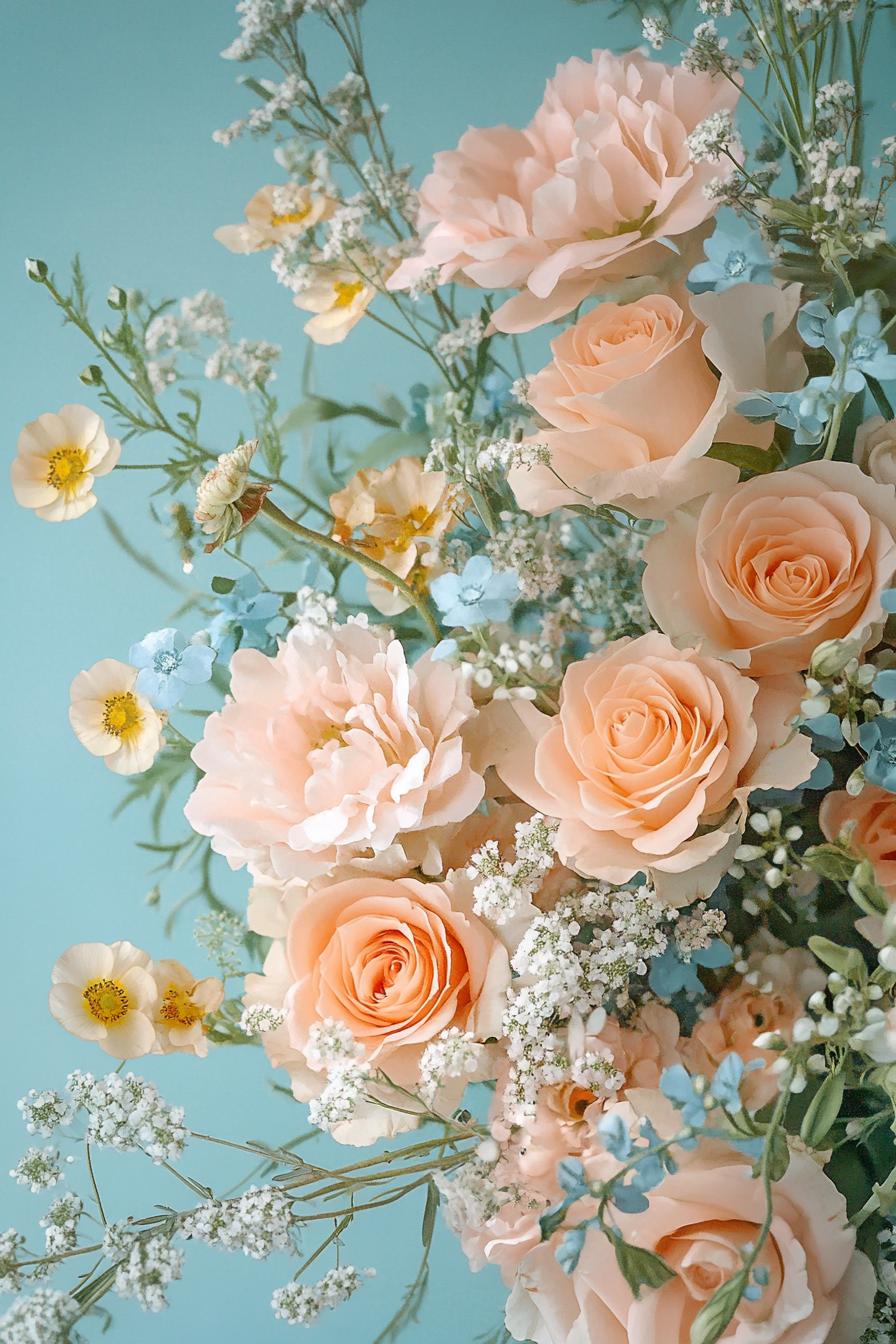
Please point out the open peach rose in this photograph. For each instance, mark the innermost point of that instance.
(649, 761)
(333, 751)
(700, 1220)
(580, 198)
(871, 820)
(761, 573)
(637, 393)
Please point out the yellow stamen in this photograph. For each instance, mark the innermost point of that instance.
(66, 467)
(107, 1000)
(178, 1009)
(334, 732)
(415, 522)
(346, 291)
(293, 217)
(121, 715)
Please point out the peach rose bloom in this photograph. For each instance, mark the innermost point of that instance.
(636, 394)
(875, 449)
(761, 573)
(731, 1023)
(649, 761)
(397, 516)
(334, 750)
(872, 818)
(580, 198)
(700, 1219)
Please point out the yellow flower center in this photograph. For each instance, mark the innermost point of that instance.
(292, 217)
(66, 466)
(412, 525)
(107, 1001)
(345, 291)
(177, 1008)
(121, 715)
(624, 226)
(334, 732)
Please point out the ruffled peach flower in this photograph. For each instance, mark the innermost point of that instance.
(875, 449)
(650, 760)
(274, 215)
(106, 993)
(339, 297)
(58, 458)
(700, 1220)
(761, 573)
(184, 1004)
(397, 517)
(870, 820)
(332, 751)
(732, 1022)
(580, 198)
(112, 720)
(637, 393)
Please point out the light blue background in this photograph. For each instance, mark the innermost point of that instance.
(106, 112)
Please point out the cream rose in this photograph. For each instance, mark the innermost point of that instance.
(650, 759)
(761, 573)
(636, 394)
(700, 1220)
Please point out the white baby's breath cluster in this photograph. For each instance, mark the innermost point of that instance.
(11, 1245)
(537, 553)
(38, 1168)
(470, 1195)
(44, 1317)
(150, 1265)
(515, 668)
(261, 1017)
(126, 1112)
(655, 31)
(331, 1045)
(466, 336)
(714, 138)
(505, 454)
(707, 53)
(45, 1112)
(172, 333)
(696, 928)
(245, 365)
(452, 1054)
(315, 609)
(256, 1223)
(220, 935)
(60, 1223)
(502, 889)
(345, 1089)
(301, 1304)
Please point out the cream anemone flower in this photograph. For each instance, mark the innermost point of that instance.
(111, 720)
(58, 457)
(183, 1005)
(274, 215)
(339, 298)
(105, 992)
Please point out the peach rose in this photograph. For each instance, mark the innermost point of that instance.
(649, 761)
(580, 198)
(875, 449)
(732, 1022)
(872, 821)
(333, 751)
(700, 1220)
(636, 394)
(761, 573)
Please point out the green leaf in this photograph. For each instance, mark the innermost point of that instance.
(714, 1316)
(830, 861)
(429, 1213)
(823, 1110)
(221, 584)
(550, 1221)
(846, 961)
(639, 1267)
(746, 457)
(316, 410)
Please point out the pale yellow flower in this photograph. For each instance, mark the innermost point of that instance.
(274, 215)
(397, 517)
(58, 457)
(183, 1005)
(111, 720)
(226, 501)
(106, 993)
(339, 298)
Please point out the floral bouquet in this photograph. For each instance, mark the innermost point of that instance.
(552, 722)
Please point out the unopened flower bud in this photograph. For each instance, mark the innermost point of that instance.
(117, 298)
(226, 500)
(36, 270)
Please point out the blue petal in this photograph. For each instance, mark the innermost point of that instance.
(196, 664)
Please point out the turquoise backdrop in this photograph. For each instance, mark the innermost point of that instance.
(106, 112)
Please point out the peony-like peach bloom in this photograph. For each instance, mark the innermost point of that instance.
(184, 1004)
(274, 215)
(106, 993)
(582, 197)
(649, 761)
(701, 1219)
(339, 298)
(397, 516)
(761, 573)
(732, 1022)
(112, 720)
(875, 449)
(58, 458)
(333, 751)
(636, 394)
(870, 820)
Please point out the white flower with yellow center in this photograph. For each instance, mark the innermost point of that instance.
(111, 720)
(58, 457)
(105, 992)
(274, 215)
(339, 297)
(183, 1005)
